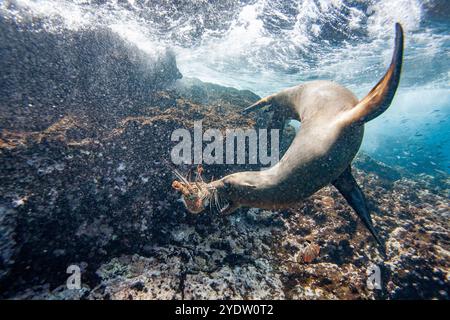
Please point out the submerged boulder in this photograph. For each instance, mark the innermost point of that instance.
(87, 68)
(8, 245)
(95, 185)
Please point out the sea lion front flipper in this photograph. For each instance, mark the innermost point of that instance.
(348, 187)
(277, 120)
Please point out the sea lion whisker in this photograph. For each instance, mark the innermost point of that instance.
(180, 176)
(211, 196)
(218, 207)
(216, 203)
(199, 173)
(210, 202)
(222, 202)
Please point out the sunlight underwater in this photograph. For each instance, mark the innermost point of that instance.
(265, 46)
(83, 183)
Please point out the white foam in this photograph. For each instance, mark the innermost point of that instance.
(245, 52)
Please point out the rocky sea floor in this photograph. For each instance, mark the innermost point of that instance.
(93, 189)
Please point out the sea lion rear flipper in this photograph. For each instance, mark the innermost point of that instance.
(348, 187)
(380, 97)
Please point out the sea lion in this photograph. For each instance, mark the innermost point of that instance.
(332, 127)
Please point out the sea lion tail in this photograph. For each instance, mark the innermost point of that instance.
(258, 104)
(380, 97)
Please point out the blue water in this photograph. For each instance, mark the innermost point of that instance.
(266, 45)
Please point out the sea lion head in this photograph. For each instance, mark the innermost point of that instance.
(222, 195)
(232, 191)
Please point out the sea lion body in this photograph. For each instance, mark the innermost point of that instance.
(319, 153)
(332, 127)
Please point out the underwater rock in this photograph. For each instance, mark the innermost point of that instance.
(368, 164)
(241, 282)
(135, 277)
(8, 245)
(208, 93)
(92, 187)
(87, 187)
(45, 74)
(308, 253)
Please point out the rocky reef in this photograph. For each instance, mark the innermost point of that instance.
(86, 182)
(91, 71)
(100, 197)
